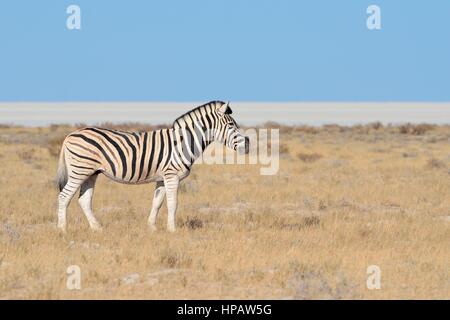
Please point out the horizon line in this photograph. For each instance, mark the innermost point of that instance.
(238, 101)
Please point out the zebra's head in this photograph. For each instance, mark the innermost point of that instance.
(227, 130)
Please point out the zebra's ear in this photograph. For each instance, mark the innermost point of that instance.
(225, 109)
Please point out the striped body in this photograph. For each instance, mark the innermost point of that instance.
(164, 156)
(125, 157)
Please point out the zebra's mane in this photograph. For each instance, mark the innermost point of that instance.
(203, 106)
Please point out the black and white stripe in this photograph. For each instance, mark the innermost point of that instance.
(163, 156)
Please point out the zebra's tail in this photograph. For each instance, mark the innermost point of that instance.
(61, 174)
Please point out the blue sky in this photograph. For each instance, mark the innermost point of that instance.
(238, 50)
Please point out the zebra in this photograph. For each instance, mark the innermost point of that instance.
(163, 156)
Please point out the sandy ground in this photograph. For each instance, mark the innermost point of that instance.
(344, 198)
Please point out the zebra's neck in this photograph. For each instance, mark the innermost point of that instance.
(190, 142)
(194, 131)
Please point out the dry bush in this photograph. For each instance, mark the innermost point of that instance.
(54, 145)
(360, 129)
(175, 259)
(376, 125)
(54, 127)
(415, 129)
(306, 222)
(404, 129)
(423, 128)
(284, 149)
(306, 129)
(284, 129)
(28, 156)
(270, 125)
(435, 164)
(309, 157)
(80, 125)
(408, 154)
(335, 128)
(7, 126)
(311, 221)
(192, 223)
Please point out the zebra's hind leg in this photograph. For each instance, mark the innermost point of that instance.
(85, 201)
(64, 198)
(171, 183)
(158, 198)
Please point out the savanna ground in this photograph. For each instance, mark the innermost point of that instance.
(344, 198)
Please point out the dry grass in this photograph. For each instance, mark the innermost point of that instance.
(376, 195)
(419, 129)
(309, 157)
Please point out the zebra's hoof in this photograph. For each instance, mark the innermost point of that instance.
(171, 229)
(96, 228)
(152, 228)
(62, 228)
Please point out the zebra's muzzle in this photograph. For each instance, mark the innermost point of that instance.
(244, 146)
(247, 145)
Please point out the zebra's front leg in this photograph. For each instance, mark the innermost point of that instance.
(158, 198)
(171, 183)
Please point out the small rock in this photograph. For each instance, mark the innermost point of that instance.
(131, 278)
(162, 272)
(152, 281)
(96, 245)
(445, 218)
(4, 264)
(13, 234)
